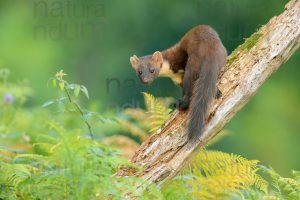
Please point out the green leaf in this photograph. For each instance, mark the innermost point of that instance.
(48, 103)
(85, 91)
(77, 90)
(72, 86)
(61, 99)
(62, 86)
(54, 83)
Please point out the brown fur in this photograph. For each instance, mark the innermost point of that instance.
(201, 54)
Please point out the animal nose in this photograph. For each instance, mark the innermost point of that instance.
(146, 80)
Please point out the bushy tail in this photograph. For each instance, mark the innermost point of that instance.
(204, 93)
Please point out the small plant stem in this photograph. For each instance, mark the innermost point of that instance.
(81, 113)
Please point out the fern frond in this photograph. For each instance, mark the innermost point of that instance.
(287, 188)
(151, 119)
(218, 174)
(157, 112)
(149, 101)
(36, 157)
(14, 174)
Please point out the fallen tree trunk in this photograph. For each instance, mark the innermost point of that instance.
(248, 67)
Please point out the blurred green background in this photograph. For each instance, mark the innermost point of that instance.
(92, 41)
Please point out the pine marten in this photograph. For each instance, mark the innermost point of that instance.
(193, 63)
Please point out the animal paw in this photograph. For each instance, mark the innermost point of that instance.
(181, 104)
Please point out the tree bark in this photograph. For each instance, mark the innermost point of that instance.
(164, 153)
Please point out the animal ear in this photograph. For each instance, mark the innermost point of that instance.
(134, 60)
(157, 58)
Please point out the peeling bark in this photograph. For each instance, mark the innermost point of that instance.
(248, 67)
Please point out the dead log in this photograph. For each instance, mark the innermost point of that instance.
(249, 66)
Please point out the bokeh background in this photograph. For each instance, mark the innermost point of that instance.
(92, 41)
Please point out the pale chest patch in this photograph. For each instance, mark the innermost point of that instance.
(167, 72)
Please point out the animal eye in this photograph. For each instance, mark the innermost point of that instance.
(140, 72)
(152, 70)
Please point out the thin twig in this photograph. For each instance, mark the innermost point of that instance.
(81, 113)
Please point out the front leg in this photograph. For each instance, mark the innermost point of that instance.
(187, 88)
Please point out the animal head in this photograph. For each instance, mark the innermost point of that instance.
(147, 67)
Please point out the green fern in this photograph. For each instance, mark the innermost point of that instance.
(157, 112)
(148, 120)
(285, 188)
(14, 174)
(61, 163)
(215, 175)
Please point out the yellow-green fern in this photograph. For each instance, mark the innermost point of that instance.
(217, 175)
(157, 112)
(151, 119)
